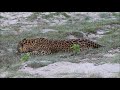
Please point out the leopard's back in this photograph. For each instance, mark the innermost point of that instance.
(65, 45)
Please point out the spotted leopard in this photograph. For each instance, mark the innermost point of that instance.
(44, 46)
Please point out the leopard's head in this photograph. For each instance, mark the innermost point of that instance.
(28, 45)
(23, 46)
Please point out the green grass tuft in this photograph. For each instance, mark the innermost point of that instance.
(105, 15)
(116, 59)
(84, 26)
(112, 39)
(25, 57)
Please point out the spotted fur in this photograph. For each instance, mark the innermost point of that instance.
(45, 46)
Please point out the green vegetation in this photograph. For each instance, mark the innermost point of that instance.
(25, 57)
(105, 15)
(33, 16)
(87, 17)
(116, 59)
(84, 26)
(76, 48)
(51, 15)
(116, 14)
(1, 17)
(66, 15)
(111, 39)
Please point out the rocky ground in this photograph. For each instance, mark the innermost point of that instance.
(101, 27)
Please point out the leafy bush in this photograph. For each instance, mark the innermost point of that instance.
(76, 48)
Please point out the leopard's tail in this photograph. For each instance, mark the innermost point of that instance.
(94, 45)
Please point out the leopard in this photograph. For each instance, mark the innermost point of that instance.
(44, 46)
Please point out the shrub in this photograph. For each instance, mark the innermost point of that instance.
(76, 48)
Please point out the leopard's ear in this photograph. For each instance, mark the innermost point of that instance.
(24, 40)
